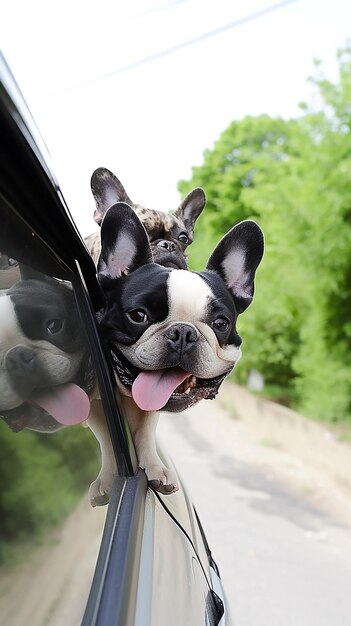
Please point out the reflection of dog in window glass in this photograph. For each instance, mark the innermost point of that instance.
(45, 374)
(46, 377)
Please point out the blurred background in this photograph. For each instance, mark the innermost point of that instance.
(249, 100)
(145, 86)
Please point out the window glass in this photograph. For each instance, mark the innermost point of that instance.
(49, 533)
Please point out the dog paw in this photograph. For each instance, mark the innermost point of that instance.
(162, 479)
(99, 491)
(156, 485)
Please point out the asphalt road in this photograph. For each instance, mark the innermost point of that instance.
(279, 528)
(274, 495)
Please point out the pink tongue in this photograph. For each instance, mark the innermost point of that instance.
(67, 404)
(152, 390)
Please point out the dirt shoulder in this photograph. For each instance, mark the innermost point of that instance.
(311, 448)
(51, 588)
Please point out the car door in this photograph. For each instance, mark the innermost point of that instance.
(153, 565)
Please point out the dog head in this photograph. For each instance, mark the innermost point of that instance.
(172, 333)
(45, 373)
(169, 233)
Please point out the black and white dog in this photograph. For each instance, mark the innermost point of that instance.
(172, 332)
(45, 372)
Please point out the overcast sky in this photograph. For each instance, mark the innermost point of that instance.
(102, 95)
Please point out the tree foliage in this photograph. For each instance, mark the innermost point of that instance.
(294, 178)
(41, 479)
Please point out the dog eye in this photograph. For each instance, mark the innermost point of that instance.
(54, 326)
(138, 315)
(220, 323)
(183, 238)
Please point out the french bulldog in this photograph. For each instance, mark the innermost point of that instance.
(169, 233)
(171, 332)
(45, 372)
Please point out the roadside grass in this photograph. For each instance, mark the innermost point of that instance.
(42, 478)
(18, 551)
(287, 397)
(16, 554)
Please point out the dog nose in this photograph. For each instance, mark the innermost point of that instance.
(20, 361)
(167, 245)
(181, 336)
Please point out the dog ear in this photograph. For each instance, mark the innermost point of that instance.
(236, 258)
(124, 244)
(107, 190)
(190, 209)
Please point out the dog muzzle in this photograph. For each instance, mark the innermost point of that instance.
(171, 389)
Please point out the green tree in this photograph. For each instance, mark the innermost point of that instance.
(293, 178)
(42, 476)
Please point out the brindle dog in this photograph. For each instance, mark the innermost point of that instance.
(169, 233)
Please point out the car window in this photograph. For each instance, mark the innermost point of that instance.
(49, 533)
